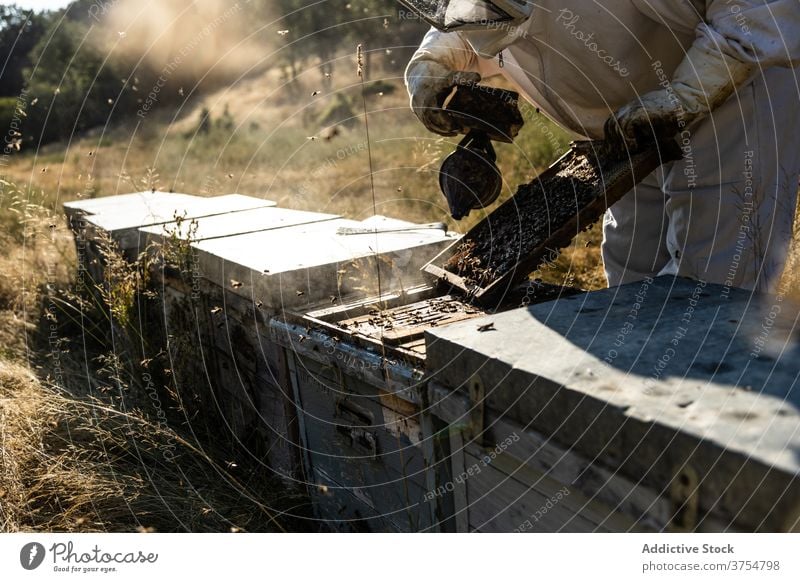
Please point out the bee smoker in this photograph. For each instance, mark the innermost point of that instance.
(469, 177)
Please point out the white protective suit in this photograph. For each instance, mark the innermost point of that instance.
(723, 213)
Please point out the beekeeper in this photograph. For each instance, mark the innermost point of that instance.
(718, 74)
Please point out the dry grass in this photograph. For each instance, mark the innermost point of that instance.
(79, 465)
(77, 457)
(262, 147)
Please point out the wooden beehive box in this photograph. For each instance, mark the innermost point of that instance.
(665, 420)
(258, 264)
(412, 411)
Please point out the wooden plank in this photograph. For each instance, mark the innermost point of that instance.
(644, 508)
(354, 305)
(502, 504)
(408, 322)
(123, 221)
(342, 509)
(460, 496)
(252, 387)
(401, 378)
(370, 449)
(564, 465)
(122, 203)
(143, 210)
(432, 469)
(305, 457)
(298, 267)
(244, 221)
(417, 346)
(279, 413)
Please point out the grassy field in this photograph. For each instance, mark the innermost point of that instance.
(74, 458)
(77, 452)
(287, 146)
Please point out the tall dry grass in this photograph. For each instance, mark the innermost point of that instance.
(78, 464)
(77, 452)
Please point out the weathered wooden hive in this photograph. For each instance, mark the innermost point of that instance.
(653, 406)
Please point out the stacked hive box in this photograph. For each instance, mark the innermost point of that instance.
(354, 443)
(651, 405)
(657, 405)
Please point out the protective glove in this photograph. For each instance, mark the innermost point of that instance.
(653, 117)
(703, 81)
(429, 83)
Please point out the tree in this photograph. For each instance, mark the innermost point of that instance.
(20, 31)
(329, 28)
(71, 82)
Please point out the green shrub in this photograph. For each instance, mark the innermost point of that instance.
(7, 107)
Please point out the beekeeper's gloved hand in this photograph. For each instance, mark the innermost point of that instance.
(703, 80)
(429, 83)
